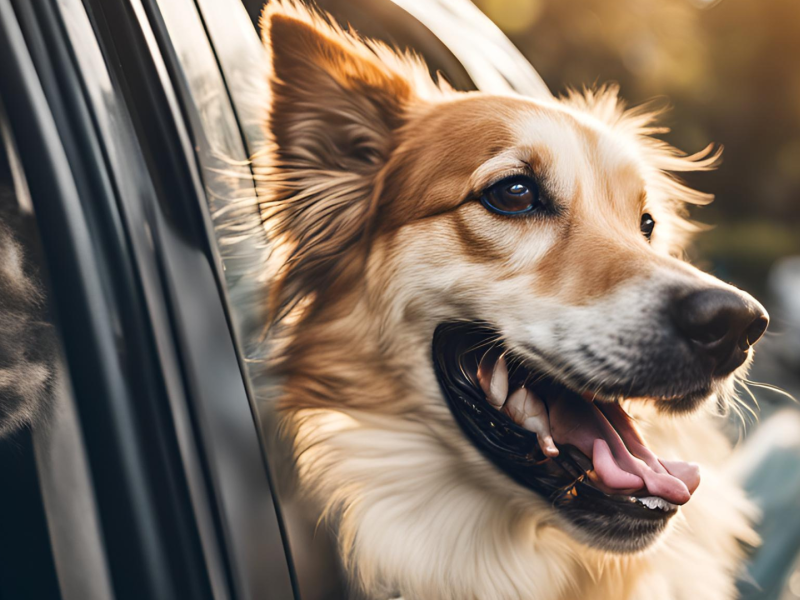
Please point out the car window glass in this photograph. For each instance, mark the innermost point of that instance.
(222, 153)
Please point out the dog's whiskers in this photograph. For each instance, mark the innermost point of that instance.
(770, 387)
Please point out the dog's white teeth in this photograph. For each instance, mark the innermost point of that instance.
(494, 381)
(528, 410)
(649, 502)
(656, 503)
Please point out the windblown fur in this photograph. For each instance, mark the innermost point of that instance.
(368, 162)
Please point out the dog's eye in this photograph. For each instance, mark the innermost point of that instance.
(647, 225)
(513, 196)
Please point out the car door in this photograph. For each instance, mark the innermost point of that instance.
(175, 472)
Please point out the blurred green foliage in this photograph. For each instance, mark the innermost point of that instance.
(729, 69)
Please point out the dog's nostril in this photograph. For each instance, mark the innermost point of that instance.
(754, 332)
(718, 321)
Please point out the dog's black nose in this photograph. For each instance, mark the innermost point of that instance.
(721, 325)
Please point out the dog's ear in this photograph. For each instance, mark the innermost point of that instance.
(335, 102)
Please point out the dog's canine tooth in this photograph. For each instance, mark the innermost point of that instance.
(528, 410)
(494, 380)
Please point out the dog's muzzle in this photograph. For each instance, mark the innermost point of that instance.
(583, 455)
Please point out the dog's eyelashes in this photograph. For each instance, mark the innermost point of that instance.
(647, 225)
(513, 196)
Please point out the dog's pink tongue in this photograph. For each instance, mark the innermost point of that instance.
(606, 434)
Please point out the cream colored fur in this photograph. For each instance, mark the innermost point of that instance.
(364, 270)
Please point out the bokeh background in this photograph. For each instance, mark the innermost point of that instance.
(729, 73)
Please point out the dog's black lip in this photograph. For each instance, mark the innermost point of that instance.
(515, 450)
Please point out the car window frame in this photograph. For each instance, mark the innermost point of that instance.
(156, 543)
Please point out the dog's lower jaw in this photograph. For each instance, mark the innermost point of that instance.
(416, 510)
(628, 537)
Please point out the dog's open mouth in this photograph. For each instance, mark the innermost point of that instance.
(583, 454)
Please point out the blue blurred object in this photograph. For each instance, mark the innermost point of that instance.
(784, 284)
(771, 467)
(769, 462)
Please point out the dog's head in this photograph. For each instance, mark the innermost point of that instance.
(530, 248)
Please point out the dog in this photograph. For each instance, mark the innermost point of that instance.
(497, 376)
